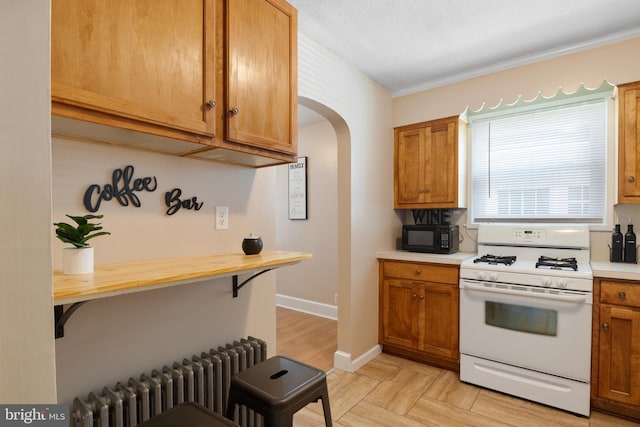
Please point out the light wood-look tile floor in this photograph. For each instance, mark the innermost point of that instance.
(390, 391)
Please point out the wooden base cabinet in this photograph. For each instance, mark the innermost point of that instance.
(418, 316)
(616, 347)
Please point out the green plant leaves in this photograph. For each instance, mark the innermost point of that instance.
(78, 235)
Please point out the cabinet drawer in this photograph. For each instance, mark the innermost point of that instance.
(620, 293)
(423, 272)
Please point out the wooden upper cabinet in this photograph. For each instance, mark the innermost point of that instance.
(629, 143)
(409, 166)
(145, 65)
(261, 86)
(426, 165)
(212, 79)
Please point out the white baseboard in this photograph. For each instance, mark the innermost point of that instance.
(342, 360)
(306, 306)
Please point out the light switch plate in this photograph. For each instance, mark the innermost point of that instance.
(222, 218)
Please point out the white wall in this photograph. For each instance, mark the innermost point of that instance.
(360, 112)
(26, 304)
(316, 280)
(618, 63)
(112, 339)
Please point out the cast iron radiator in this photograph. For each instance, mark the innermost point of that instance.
(204, 379)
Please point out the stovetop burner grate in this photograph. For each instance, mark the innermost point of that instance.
(557, 263)
(493, 259)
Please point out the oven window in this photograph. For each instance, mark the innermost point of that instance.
(540, 321)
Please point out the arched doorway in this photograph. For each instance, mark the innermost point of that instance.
(318, 286)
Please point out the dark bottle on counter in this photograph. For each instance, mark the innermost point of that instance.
(616, 245)
(630, 252)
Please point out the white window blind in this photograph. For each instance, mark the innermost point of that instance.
(541, 164)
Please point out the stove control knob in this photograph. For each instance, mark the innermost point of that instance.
(482, 275)
(493, 277)
(562, 283)
(546, 281)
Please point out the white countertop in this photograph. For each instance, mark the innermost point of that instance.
(603, 269)
(456, 258)
(615, 270)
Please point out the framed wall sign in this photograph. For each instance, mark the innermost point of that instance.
(298, 189)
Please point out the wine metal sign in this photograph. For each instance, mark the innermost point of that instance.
(123, 188)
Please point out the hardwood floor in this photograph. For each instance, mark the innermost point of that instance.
(309, 339)
(390, 391)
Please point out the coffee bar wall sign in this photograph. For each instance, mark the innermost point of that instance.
(123, 188)
(173, 200)
(298, 189)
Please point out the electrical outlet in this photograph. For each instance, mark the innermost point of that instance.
(222, 218)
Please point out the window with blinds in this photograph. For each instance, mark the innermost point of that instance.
(545, 163)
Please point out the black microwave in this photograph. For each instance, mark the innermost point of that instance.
(431, 238)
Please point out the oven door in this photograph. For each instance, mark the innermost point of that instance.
(533, 328)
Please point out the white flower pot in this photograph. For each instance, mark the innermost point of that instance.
(77, 260)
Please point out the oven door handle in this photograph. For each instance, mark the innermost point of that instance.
(562, 298)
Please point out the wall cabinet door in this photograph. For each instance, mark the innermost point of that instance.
(410, 181)
(261, 92)
(143, 65)
(629, 143)
(619, 363)
(426, 165)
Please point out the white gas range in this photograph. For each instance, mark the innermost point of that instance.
(525, 314)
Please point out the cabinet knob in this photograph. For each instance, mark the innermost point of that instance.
(414, 296)
(622, 295)
(631, 179)
(421, 296)
(605, 326)
(211, 104)
(418, 272)
(234, 111)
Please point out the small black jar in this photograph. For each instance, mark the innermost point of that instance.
(252, 245)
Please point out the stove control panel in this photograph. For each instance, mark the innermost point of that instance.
(528, 234)
(507, 278)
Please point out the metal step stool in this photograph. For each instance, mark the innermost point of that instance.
(278, 388)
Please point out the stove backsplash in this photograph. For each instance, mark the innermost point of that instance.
(453, 216)
(600, 240)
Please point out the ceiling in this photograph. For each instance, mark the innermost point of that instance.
(413, 45)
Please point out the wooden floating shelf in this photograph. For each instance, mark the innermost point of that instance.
(138, 276)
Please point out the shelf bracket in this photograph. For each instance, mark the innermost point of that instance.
(61, 316)
(237, 287)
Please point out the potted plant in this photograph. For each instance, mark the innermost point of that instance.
(79, 258)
